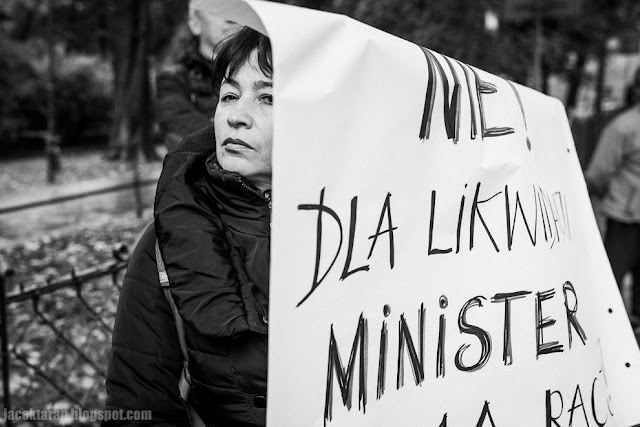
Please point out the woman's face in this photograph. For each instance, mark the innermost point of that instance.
(243, 124)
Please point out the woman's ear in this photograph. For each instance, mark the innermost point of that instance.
(194, 22)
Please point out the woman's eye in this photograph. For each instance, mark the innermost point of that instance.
(267, 99)
(228, 97)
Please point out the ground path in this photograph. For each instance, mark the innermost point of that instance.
(23, 181)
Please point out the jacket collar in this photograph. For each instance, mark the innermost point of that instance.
(234, 195)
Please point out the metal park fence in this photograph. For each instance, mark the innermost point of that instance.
(56, 338)
(135, 185)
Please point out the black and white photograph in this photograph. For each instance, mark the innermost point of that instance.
(323, 213)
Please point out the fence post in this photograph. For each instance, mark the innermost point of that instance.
(52, 141)
(6, 398)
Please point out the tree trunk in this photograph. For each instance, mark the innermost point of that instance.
(145, 110)
(602, 66)
(121, 26)
(52, 141)
(544, 81)
(575, 80)
(131, 125)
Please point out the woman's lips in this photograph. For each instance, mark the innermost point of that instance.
(235, 144)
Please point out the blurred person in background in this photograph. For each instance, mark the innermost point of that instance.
(185, 101)
(613, 178)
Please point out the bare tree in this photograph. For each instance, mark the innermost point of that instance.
(132, 113)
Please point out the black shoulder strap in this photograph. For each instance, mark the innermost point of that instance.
(184, 385)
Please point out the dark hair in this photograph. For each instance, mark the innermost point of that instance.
(235, 49)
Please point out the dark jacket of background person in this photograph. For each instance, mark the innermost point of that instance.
(185, 102)
(222, 297)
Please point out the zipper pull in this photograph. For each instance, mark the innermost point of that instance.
(267, 196)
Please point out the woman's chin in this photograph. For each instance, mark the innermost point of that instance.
(233, 163)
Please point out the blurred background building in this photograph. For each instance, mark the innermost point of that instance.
(80, 72)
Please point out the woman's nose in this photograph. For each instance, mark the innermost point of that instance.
(240, 115)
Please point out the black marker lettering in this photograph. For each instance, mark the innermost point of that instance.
(574, 406)
(572, 320)
(460, 214)
(486, 88)
(345, 376)
(440, 364)
(472, 107)
(507, 352)
(550, 417)
(427, 114)
(485, 412)
(451, 108)
(510, 227)
(481, 334)
(386, 210)
(544, 322)
(352, 232)
(454, 113)
(475, 210)
(320, 207)
(417, 362)
(382, 361)
(593, 405)
(431, 222)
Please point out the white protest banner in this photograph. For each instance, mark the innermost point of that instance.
(435, 260)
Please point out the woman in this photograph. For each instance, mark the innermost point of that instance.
(212, 224)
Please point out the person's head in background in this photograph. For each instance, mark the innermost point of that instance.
(210, 29)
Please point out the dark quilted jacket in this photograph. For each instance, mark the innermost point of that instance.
(214, 231)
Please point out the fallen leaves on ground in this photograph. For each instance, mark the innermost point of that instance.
(60, 341)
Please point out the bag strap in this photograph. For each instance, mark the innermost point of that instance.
(184, 386)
